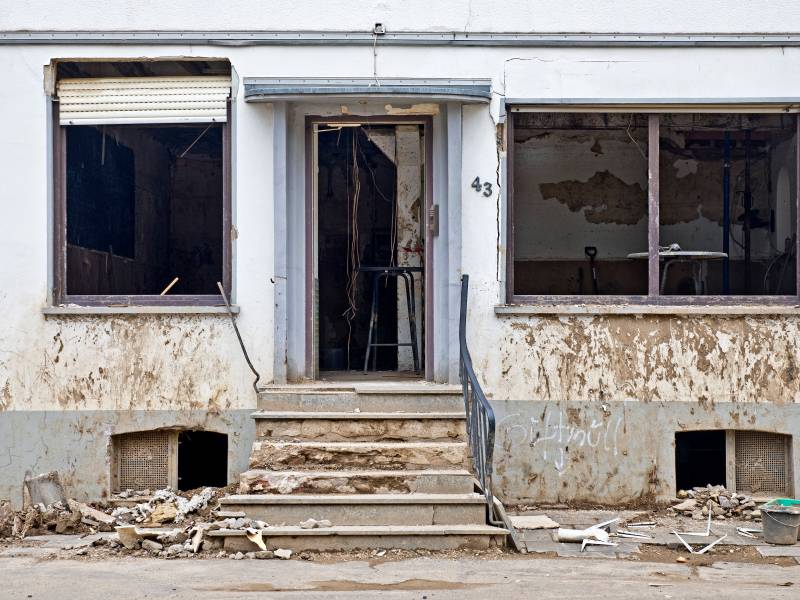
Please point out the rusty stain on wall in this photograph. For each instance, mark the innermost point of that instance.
(128, 362)
(646, 358)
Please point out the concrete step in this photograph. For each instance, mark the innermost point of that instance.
(431, 481)
(361, 509)
(359, 426)
(364, 455)
(410, 397)
(352, 537)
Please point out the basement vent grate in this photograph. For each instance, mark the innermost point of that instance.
(761, 462)
(143, 460)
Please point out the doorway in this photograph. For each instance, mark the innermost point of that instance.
(370, 286)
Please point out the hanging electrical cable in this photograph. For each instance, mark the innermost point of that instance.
(354, 250)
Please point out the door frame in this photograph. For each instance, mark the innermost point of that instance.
(426, 121)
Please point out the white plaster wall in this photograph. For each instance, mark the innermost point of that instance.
(407, 15)
(122, 362)
(208, 351)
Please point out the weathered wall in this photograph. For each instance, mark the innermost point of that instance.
(177, 364)
(612, 452)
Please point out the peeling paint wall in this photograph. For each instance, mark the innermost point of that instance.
(57, 373)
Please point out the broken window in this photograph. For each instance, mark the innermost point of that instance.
(727, 204)
(580, 203)
(142, 197)
(645, 205)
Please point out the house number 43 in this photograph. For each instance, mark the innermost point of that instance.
(481, 187)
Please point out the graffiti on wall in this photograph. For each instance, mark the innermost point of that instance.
(554, 433)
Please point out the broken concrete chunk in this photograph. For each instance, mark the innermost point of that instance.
(43, 489)
(174, 549)
(197, 540)
(283, 553)
(263, 554)
(163, 513)
(324, 523)
(151, 546)
(128, 536)
(309, 524)
(238, 556)
(686, 506)
(254, 535)
(532, 522)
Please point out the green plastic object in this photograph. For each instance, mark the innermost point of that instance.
(783, 505)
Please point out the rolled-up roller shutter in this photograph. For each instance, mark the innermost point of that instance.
(120, 100)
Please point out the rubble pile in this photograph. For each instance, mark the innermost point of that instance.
(163, 524)
(721, 503)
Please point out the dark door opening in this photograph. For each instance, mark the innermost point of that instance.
(370, 201)
(202, 459)
(699, 458)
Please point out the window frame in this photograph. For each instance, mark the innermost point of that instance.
(653, 296)
(59, 291)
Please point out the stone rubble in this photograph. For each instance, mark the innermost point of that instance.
(162, 523)
(720, 502)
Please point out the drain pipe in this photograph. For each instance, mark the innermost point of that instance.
(239, 335)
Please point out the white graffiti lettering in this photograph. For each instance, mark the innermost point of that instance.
(553, 436)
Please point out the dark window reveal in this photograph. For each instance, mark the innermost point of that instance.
(144, 206)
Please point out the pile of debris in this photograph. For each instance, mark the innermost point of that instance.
(717, 501)
(164, 523)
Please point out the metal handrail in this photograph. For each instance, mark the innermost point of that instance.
(480, 416)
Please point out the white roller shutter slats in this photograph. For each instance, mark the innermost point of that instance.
(121, 100)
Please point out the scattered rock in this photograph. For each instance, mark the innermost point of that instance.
(263, 554)
(681, 559)
(152, 546)
(174, 549)
(686, 506)
(238, 556)
(283, 554)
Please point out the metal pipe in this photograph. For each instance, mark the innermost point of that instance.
(726, 214)
(748, 205)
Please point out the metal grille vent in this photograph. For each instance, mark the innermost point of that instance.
(143, 460)
(761, 462)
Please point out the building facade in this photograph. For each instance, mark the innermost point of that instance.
(620, 185)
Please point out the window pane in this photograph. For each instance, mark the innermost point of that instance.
(727, 204)
(580, 203)
(144, 205)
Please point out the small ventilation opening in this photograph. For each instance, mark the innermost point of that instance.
(202, 459)
(699, 458)
(762, 465)
(142, 460)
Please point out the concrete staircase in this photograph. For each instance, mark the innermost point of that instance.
(386, 464)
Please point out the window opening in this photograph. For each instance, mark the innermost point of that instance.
(673, 205)
(699, 458)
(580, 203)
(202, 459)
(144, 206)
(727, 219)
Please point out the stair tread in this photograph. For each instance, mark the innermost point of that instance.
(379, 530)
(341, 415)
(387, 445)
(378, 388)
(399, 498)
(360, 472)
